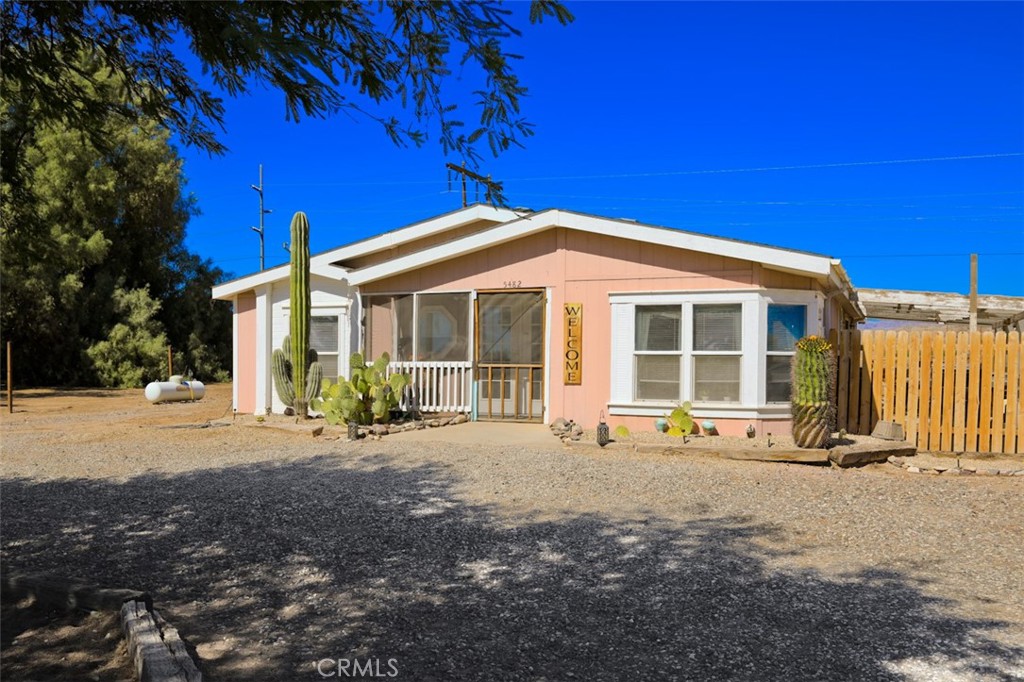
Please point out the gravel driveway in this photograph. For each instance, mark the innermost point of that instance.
(270, 552)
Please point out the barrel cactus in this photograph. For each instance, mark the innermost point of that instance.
(281, 368)
(300, 304)
(813, 401)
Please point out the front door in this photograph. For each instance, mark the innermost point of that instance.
(510, 355)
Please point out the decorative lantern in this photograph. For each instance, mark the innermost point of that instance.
(750, 431)
(603, 437)
(353, 431)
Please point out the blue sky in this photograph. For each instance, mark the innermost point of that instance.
(801, 125)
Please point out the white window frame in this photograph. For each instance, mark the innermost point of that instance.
(754, 344)
(664, 353)
(694, 354)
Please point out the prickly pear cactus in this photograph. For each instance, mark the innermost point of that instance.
(813, 402)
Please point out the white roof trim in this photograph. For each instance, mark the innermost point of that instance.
(321, 263)
(804, 263)
(442, 223)
(229, 290)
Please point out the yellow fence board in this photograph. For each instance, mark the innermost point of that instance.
(842, 347)
(1020, 397)
(935, 412)
(1013, 365)
(985, 397)
(924, 422)
(899, 406)
(913, 386)
(998, 392)
(973, 391)
(948, 376)
(866, 354)
(889, 399)
(960, 394)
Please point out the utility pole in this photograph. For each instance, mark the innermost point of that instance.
(490, 186)
(263, 212)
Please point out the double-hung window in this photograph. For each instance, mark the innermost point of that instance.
(717, 352)
(786, 325)
(323, 338)
(658, 352)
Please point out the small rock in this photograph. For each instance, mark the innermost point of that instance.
(1019, 472)
(988, 472)
(1006, 472)
(380, 429)
(289, 412)
(914, 470)
(460, 419)
(421, 425)
(933, 472)
(560, 424)
(953, 472)
(318, 430)
(434, 423)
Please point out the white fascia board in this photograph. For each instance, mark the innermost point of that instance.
(803, 263)
(415, 231)
(228, 290)
(499, 234)
(807, 264)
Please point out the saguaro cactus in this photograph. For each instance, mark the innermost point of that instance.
(281, 367)
(300, 303)
(813, 402)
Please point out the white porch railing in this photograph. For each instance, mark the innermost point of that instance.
(436, 386)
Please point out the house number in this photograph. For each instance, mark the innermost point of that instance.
(513, 283)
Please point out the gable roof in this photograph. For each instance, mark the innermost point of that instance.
(510, 225)
(323, 263)
(788, 260)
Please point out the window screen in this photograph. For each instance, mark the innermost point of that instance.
(388, 326)
(443, 327)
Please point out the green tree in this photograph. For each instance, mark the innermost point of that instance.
(324, 57)
(80, 222)
(134, 350)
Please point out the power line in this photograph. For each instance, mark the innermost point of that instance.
(711, 171)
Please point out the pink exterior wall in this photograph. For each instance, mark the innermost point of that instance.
(245, 378)
(582, 267)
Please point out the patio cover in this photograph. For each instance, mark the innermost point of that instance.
(994, 312)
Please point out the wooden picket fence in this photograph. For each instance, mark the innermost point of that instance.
(951, 391)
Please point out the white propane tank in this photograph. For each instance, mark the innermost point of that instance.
(171, 391)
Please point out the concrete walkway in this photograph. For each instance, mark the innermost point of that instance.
(483, 433)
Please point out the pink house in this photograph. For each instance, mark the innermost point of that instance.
(534, 316)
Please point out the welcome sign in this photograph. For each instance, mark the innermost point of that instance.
(572, 360)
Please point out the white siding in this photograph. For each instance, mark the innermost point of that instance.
(327, 297)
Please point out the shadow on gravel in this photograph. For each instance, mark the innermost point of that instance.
(268, 568)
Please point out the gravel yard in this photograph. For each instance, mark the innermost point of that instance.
(270, 551)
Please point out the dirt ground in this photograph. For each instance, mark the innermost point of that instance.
(43, 644)
(270, 549)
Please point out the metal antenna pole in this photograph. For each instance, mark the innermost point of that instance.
(263, 212)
